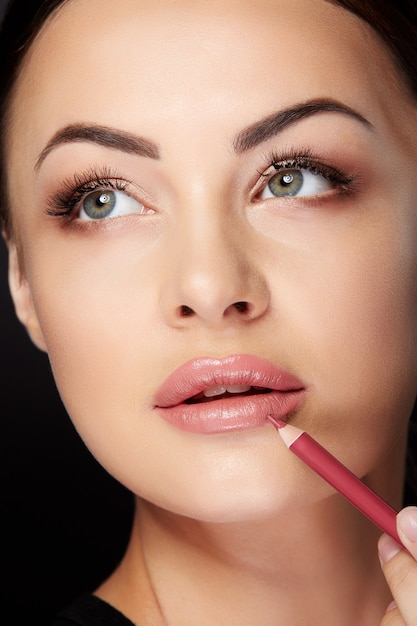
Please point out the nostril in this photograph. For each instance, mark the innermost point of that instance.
(186, 311)
(242, 307)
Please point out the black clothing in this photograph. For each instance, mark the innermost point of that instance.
(88, 610)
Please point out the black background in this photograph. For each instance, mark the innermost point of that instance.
(64, 521)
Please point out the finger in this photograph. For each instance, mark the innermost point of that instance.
(400, 570)
(407, 529)
(393, 617)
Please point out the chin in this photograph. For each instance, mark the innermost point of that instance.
(240, 503)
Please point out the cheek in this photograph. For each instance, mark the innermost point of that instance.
(99, 327)
(345, 276)
(362, 321)
(94, 292)
(97, 313)
(345, 292)
(365, 306)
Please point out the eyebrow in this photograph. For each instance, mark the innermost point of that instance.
(273, 124)
(103, 136)
(248, 138)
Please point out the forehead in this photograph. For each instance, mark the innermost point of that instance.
(117, 63)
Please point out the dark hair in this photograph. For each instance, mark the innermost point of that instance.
(395, 21)
(22, 21)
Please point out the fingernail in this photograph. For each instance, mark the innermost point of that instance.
(387, 548)
(392, 605)
(407, 522)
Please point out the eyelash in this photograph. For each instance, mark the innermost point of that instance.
(63, 203)
(304, 160)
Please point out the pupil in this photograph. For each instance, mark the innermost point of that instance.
(103, 199)
(287, 179)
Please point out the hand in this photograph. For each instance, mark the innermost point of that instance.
(400, 570)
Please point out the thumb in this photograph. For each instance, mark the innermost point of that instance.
(407, 529)
(400, 568)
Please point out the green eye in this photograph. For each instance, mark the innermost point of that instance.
(108, 203)
(99, 204)
(286, 183)
(299, 182)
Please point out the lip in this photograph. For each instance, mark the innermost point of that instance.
(234, 412)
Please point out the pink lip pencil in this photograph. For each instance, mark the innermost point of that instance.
(339, 476)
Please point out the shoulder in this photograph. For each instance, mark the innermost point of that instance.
(89, 610)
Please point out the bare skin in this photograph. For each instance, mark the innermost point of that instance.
(229, 528)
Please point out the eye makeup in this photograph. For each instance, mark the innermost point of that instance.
(284, 164)
(64, 202)
(317, 178)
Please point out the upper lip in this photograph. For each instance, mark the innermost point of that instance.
(199, 374)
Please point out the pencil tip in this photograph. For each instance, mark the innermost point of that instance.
(276, 422)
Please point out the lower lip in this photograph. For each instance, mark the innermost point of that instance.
(229, 414)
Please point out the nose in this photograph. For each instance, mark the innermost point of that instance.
(215, 277)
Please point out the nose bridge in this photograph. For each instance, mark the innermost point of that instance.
(214, 276)
(211, 263)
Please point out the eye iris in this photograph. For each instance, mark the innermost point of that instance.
(99, 204)
(286, 183)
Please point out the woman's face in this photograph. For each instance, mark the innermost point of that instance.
(168, 160)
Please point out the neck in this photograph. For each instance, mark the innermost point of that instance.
(316, 566)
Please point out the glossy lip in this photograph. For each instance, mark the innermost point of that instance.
(234, 412)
